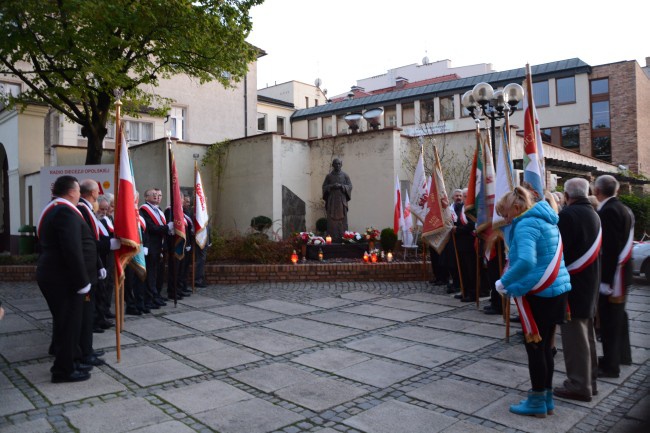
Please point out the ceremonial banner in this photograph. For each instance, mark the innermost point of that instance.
(177, 211)
(419, 190)
(505, 182)
(201, 217)
(407, 237)
(534, 171)
(438, 222)
(474, 193)
(126, 224)
(398, 221)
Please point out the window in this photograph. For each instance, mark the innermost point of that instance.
(426, 111)
(600, 87)
(570, 137)
(306, 101)
(261, 122)
(177, 119)
(315, 102)
(566, 90)
(327, 126)
(139, 131)
(540, 92)
(110, 126)
(447, 108)
(547, 134)
(390, 116)
(600, 115)
(280, 125)
(408, 114)
(602, 147)
(313, 128)
(7, 89)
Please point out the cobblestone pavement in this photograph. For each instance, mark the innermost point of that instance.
(310, 357)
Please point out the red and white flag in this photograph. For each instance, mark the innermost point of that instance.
(407, 237)
(398, 220)
(438, 222)
(177, 211)
(125, 224)
(201, 217)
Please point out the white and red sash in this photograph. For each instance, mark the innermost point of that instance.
(141, 221)
(109, 224)
(588, 257)
(618, 285)
(155, 213)
(56, 202)
(97, 227)
(463, 218)
(528, 325)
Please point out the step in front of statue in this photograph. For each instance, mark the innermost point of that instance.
(337, 251)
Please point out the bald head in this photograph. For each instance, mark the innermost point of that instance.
(89, 190)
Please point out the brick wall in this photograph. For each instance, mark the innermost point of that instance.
(241, 274)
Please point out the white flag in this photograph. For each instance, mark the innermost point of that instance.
(407, 237)
(201, 217)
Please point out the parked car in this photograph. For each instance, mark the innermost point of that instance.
(641, 259)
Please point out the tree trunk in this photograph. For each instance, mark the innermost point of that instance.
(96, 131)
(95, 149)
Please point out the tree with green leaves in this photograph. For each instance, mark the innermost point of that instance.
(73, 54)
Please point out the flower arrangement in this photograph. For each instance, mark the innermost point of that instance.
(372, 234)
(309, 238)
(352, 237)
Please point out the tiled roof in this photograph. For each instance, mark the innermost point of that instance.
(540, 72)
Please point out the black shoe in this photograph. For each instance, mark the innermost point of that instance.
(565, 393)
(98, 330)
(200, 285)
(106, 324)
(133, 312)
(515, 319)
(75, 376)
(155, 307)
(491, 311)
(160, 302)
(109, 315)
(145, 310)
(99, 352)
(82, 367)
(458, 296)
(93, 360)
(186, 293)
(467, 299)
(451, 290)
(605, 373)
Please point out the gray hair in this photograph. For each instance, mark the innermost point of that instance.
(576, 187)
(457, 190)
(103, 198)
(607, 185)
(87, 186)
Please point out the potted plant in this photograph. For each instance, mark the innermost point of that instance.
(388, 239)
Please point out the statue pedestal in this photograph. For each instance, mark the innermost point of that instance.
(337, 251)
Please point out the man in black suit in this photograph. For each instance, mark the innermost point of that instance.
(581, 237)
(465, 233)
(616, 275)
(67, 266)
(177, 269)
(156, 231)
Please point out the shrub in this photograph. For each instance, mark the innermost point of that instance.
(249, 248)
(640, 207)
(261, 223)
(27, 259)
(321, 226)
(388, 239)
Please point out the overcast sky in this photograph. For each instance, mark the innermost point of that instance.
(342, 41)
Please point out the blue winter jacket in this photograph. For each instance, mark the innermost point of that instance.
(533, 241)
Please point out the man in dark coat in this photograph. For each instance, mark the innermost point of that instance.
(465, 234)
(156, 231)
(616, 275)
(581, 237)
(67, 266)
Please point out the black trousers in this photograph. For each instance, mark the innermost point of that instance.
(614, 334)
(154, 276)
(88, 322)
(134, 289)
(66, 308)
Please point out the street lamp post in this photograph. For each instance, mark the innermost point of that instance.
(484, 101)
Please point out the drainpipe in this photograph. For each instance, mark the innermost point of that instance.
(246, 105)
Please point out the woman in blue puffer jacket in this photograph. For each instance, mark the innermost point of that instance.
(539, 281)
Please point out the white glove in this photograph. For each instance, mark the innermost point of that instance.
(501, 288)
(145, 250)
(188, 248)
(115, 244)
(83, 291)
(102, 274)
(170, 227)
(606, 289)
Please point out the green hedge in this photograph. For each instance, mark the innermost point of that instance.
(641, 208)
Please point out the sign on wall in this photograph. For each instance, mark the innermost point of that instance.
(103, 174)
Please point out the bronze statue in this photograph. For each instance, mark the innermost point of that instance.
(337, 190)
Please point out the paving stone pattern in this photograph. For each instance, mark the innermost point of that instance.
(374, 357)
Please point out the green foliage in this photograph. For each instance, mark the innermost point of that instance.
(640, 207)
(388, 239)
(321, 226)
(73, 54)
(252, 248)
(215, 157)
(261, 223)
(27, 259)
